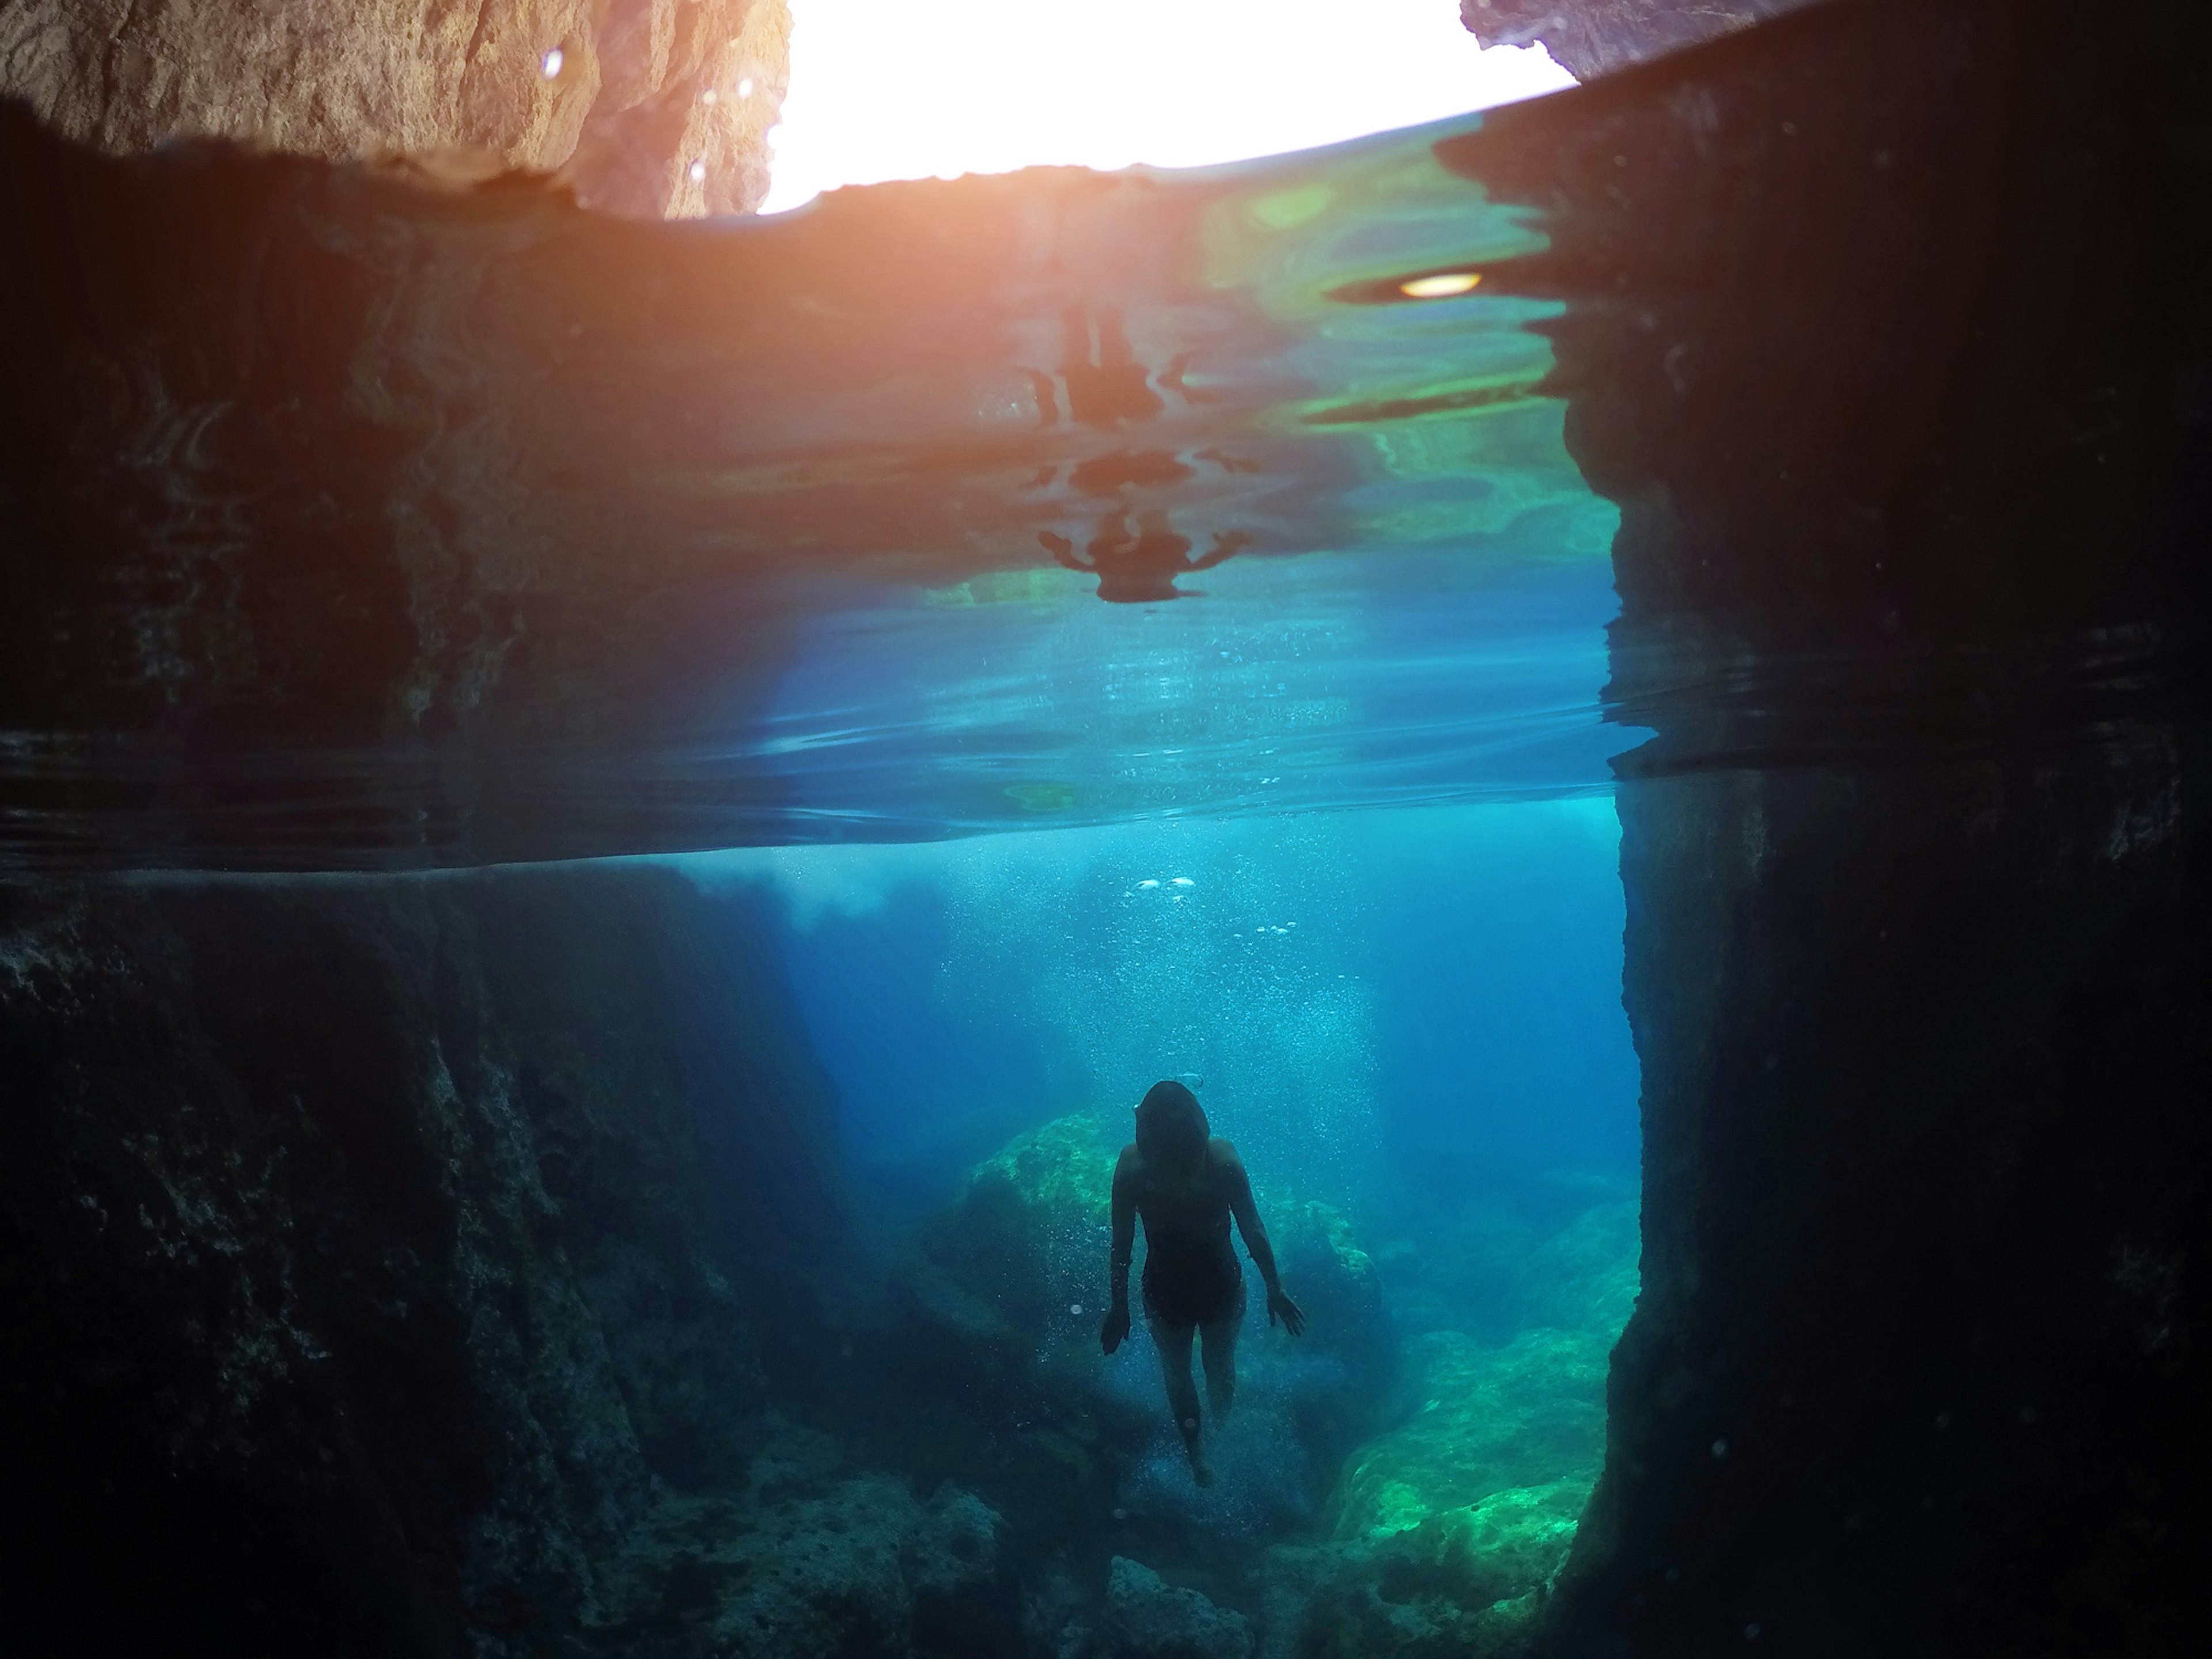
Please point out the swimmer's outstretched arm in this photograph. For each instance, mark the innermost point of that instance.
(1064, 550)
(1117, 1261)
(1241, 1205)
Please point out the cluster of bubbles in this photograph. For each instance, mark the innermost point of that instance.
(1134, 946)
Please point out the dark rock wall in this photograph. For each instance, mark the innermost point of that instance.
(355, 511)
(1912, 566)
(1589, 38)
(374, 1252)
(640, 92)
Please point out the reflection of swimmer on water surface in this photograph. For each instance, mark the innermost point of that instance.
(1111, 385)
(1142, 568)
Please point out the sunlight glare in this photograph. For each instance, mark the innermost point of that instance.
(887, 89)
(1443, 285)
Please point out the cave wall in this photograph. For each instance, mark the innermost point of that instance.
(375, 1251)
(1589, 37)
(640, 91)
(1912, 566)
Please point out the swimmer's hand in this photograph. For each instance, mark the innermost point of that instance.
(1281, 1307)
(1116, 1327)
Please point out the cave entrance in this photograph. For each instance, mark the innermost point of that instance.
(882, 91)
(1408, 1022)
(1334, 848)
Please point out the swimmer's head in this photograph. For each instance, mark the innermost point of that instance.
(1171, 1127)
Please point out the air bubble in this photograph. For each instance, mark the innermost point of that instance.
(698, 172)
(745, 88)
(551, 64)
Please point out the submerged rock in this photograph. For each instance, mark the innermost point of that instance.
(1483, 1420)
(1147, 1617)
(379, 1252)
(851, 1568)
(1447, 1531)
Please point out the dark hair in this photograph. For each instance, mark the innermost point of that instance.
(1171, 1126)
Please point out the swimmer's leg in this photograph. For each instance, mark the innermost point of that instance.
(1218, 1341)
(1174, 1343)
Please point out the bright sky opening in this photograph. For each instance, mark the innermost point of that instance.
(892, 90)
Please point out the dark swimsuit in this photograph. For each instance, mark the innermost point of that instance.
(1191, 1281)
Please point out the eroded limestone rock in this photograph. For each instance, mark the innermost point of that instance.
(1448, 1530)
(379, 1252)
(1146, 1617)
(845, 1564)
(1595, 37)
(655, 107)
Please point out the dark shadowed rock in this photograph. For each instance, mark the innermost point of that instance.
(1911, 562)
(1148, 1619)
(377, 1252)
(843, 1564)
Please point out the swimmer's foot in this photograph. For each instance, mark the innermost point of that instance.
(1199, 1472)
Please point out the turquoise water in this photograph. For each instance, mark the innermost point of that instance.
(1095, 630)
(1320, 825)
(1408, 1021)
(1346, 557)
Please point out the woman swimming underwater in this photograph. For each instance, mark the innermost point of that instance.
(1186, 1184)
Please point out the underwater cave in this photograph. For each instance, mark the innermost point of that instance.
(616, 779)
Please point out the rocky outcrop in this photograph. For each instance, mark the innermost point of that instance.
(380, 1254)
(1447, 1531)
(838, 1562)
(1146, 1617)
(654, 107)
(1911, 570)
(1589, 38)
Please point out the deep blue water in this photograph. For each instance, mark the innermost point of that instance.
(1387, 1006)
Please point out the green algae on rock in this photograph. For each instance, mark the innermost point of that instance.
(1488, 1420)
(1447, 1531)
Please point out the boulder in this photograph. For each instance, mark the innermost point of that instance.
(1146, 1617)
(1447, 1531)
(850, 1566)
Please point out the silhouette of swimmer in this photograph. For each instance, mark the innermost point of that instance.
(1140, 568)
(1187, 1185)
